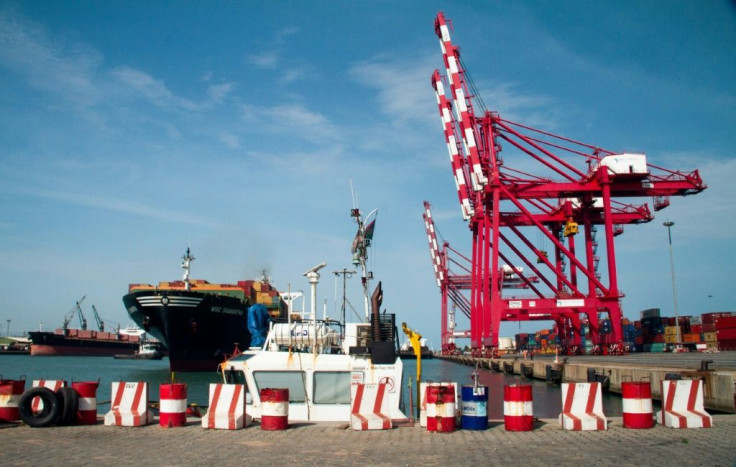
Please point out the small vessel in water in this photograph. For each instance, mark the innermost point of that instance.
(320, 361)
(146, 351)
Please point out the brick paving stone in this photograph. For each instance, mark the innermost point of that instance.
(335, 444)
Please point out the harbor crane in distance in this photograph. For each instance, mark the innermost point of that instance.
(77, 308)
(559, 189)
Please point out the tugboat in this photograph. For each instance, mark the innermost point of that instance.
(146, 351)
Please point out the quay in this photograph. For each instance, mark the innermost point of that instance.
(717, 370)
(336, 444)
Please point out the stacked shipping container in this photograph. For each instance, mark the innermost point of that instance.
(652, 333)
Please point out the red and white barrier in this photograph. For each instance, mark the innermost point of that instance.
(53, 384)
(129, 406)
(682, 405)
(637, 404)
(369, 407)
(423, 401)
(10, 392)
(441, 408)
(582, 407)
(87, 411)
(518, 410)
(172, 405)
(227, 407)
(274, 409)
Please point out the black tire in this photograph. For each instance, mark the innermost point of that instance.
(69, 401)
(47, 416)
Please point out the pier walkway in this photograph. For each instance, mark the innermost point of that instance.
(336, 444)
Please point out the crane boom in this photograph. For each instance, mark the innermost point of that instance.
(100, 323)
(76, 309)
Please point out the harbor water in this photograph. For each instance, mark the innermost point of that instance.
(546, 397)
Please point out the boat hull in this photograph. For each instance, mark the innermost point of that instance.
(198, 329)
(50, 344)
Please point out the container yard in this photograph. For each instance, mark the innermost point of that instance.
(709, 332)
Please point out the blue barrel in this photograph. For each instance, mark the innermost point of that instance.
(474, 411)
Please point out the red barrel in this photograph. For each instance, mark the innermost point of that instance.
(637, 404)
(173, 405)
(10, 392)
(518, 412)
(441, 408)
(274, 409)
(87, 411)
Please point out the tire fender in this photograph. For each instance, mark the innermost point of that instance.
(69, 401)
(46, 416)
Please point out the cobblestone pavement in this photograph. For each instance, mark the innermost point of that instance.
(336, 444)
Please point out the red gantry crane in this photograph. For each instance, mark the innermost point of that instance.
(558, 189)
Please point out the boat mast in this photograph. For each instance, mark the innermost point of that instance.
(360, 255)
(186, 262)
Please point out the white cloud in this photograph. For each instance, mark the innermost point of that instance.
(67, 70)
(294, 120)
(120, 205)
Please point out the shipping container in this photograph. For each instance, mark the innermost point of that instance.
(709, 337)
(725, 323)
(691, 337)
(710, 318)
(650, 313)
(726, 334)
(727, 345)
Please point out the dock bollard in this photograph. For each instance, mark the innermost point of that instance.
(87, 410)
(173, 405)
(274, 409)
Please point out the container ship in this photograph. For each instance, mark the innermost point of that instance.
(83, 342)
(201, 323)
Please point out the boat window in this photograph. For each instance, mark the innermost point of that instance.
(291, 380)
(332, 387)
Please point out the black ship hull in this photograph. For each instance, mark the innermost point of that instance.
(198, 329)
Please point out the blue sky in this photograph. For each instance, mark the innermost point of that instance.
(129, 130)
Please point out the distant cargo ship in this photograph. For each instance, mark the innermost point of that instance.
(82, 343)
(198, 322)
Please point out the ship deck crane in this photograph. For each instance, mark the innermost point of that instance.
(100, 323)
(567, 189)
(76, 309)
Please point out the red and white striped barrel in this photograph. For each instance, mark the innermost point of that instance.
(274, 409)
(87, 411)
(53, 384)
(518, 411)
(637, 404)
(10, 392)
(441, 408)
(173, 405)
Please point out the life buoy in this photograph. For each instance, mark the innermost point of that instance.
(69, 402)
(47, 416)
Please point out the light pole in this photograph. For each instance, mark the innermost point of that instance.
(710, 303)
(669, 225)
(7, 333)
